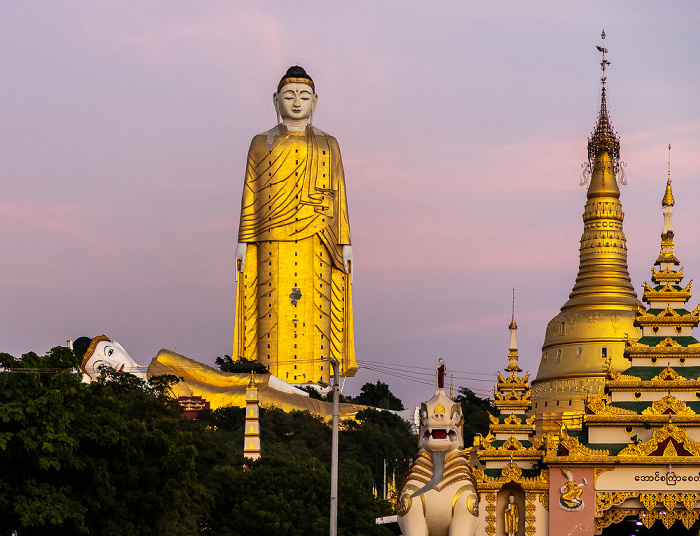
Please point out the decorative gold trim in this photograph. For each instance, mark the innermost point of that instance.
(599, 471)
(491, 511)
(598, 405)
(404, 503)
(544, 500)
(530, 518)
(678, 436)
(512, 473)
(469, 506)
(91, 349)
(610, 517)
(294, 80)
(575, 449)
(605, 501)
(667, 375)
(668, 518)
(669, 403)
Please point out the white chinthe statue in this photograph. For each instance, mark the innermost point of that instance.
(438, 493)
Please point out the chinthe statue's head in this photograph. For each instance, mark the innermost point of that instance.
(441, 424)
(296, 97)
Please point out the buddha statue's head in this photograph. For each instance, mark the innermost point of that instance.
(103, 352)
(295, 99)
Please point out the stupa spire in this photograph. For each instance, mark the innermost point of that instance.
(513, 348)
(667, 261)
(603, 139)
(589, 333)
(603, 277)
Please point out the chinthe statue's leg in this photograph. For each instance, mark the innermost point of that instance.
(464, 520)
(412, 513)
(414, 524)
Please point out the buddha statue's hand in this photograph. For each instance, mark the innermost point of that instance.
(241, 249)
(347, 261)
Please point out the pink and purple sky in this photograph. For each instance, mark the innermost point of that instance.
(124, 128)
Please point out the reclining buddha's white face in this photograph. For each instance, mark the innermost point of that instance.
(441, 423)
(105, 352)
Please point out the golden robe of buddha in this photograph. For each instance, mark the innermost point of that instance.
(511, 517)
(293, 304)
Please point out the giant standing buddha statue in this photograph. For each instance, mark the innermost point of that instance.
(294, 258)
(589, 333)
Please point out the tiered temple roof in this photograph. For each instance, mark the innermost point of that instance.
(648, 414)
(510, 452)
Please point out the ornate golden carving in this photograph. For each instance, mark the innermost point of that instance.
(472, 500)
(512, 473)
(405, 502)
(491, 513)
(544, 499)
(668, 518)
(612, 516)
(598, 406)
(669, 317)
(668, 404)
(649, 500)
(687, 518)
(689, 500)
(668, 342)
(604, 501)
(473, 505)
(667, 375)
(669, 500)
(599, 471)
(530, 518)
(575, 449)
(678, 435)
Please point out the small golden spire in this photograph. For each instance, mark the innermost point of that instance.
(668, 200)
(603, 138)
(513, 367)
(252, 380)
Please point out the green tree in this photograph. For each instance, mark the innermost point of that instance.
(110, 457)
(378, 396)
(476, 414)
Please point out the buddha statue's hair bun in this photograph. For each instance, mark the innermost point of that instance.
(296, 74)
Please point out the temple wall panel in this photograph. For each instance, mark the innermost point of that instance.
(561, 521)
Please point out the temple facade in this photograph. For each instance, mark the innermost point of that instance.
(606, 439)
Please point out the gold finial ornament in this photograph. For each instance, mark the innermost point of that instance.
(668, 200)
(513, 325)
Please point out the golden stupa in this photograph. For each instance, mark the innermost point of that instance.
(588, 335)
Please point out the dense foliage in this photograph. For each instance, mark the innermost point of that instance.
(476, 414)
(115, 457)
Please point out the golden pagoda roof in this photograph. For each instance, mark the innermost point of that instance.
(602, 304)
(666, 293)
(603, 278)
(666, 275)
(668, 317)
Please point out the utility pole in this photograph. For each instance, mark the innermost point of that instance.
(334, 450)
(384, 488)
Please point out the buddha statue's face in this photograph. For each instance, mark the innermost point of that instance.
(113, 355)
(295, 101)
